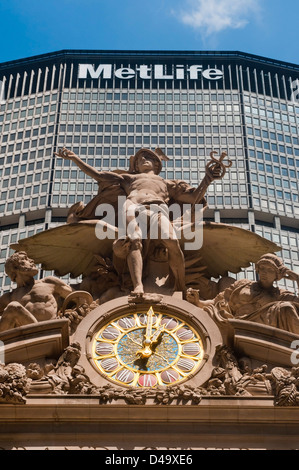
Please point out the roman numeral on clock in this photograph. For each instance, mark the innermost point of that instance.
(170, 323)
(110, 333)
(192, 349)
(184, 334)
(109, 364)
(185, 364)
(127, 323)
(147, 380)
(125, 376)
(169, 376)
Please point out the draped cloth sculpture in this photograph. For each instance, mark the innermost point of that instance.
(258, 301)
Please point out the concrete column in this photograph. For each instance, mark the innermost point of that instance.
(217, 216)
(251, 218)
(22, 221)
(277, 223)
(48, 216)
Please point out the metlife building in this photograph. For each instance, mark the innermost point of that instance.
(105, 105)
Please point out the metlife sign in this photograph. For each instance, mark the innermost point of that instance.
(148, 72)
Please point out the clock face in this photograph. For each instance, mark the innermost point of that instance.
(147, 349)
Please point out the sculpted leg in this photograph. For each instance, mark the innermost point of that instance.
(15, 315)
(176, 263)
(285, 316)
(135, 264)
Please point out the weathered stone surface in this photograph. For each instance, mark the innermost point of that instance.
(14, 384)
(257, 301)
(36, 341)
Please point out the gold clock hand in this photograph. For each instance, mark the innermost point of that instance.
(149, 324)
(158, 333)
(147, 351)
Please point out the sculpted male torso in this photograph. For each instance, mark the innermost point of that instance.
(40, 299)
(32, 301)
(145, 188)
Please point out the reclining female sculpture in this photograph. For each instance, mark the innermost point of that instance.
(258, 301)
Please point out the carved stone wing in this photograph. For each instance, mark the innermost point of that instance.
(225, 248)
(71, 248)
(68, 248)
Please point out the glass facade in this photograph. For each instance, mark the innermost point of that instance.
(105, 105)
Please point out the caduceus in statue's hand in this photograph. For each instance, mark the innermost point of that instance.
(215, 170)
(215, 167)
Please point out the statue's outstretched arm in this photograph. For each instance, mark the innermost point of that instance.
(87, 169)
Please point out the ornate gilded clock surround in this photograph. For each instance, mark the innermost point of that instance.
(198, 320)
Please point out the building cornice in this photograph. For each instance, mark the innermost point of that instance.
(78, 53)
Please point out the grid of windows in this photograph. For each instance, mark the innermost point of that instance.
(273, 148)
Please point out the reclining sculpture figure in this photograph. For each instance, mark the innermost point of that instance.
(258, 301)
(32, 300)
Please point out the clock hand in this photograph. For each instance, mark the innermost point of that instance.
(157, 334)
(154, 353)
(146, 351)
(155, 339)
(149, 324)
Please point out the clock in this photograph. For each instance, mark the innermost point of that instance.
(146, 349)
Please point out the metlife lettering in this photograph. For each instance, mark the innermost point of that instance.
(148, 72)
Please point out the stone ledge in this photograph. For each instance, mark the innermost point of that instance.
(263, 343)
(210, 410)
(219, 423)
(35, 341)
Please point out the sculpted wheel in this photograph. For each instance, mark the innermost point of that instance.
(146, 349)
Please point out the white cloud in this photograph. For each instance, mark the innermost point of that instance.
(214, 16)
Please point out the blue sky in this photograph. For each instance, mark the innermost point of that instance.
(263, 27)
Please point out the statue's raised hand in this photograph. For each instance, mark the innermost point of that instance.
(291, 275)
(215, 168)
(66, 154)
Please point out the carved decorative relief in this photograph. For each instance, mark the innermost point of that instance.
(14, 383)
